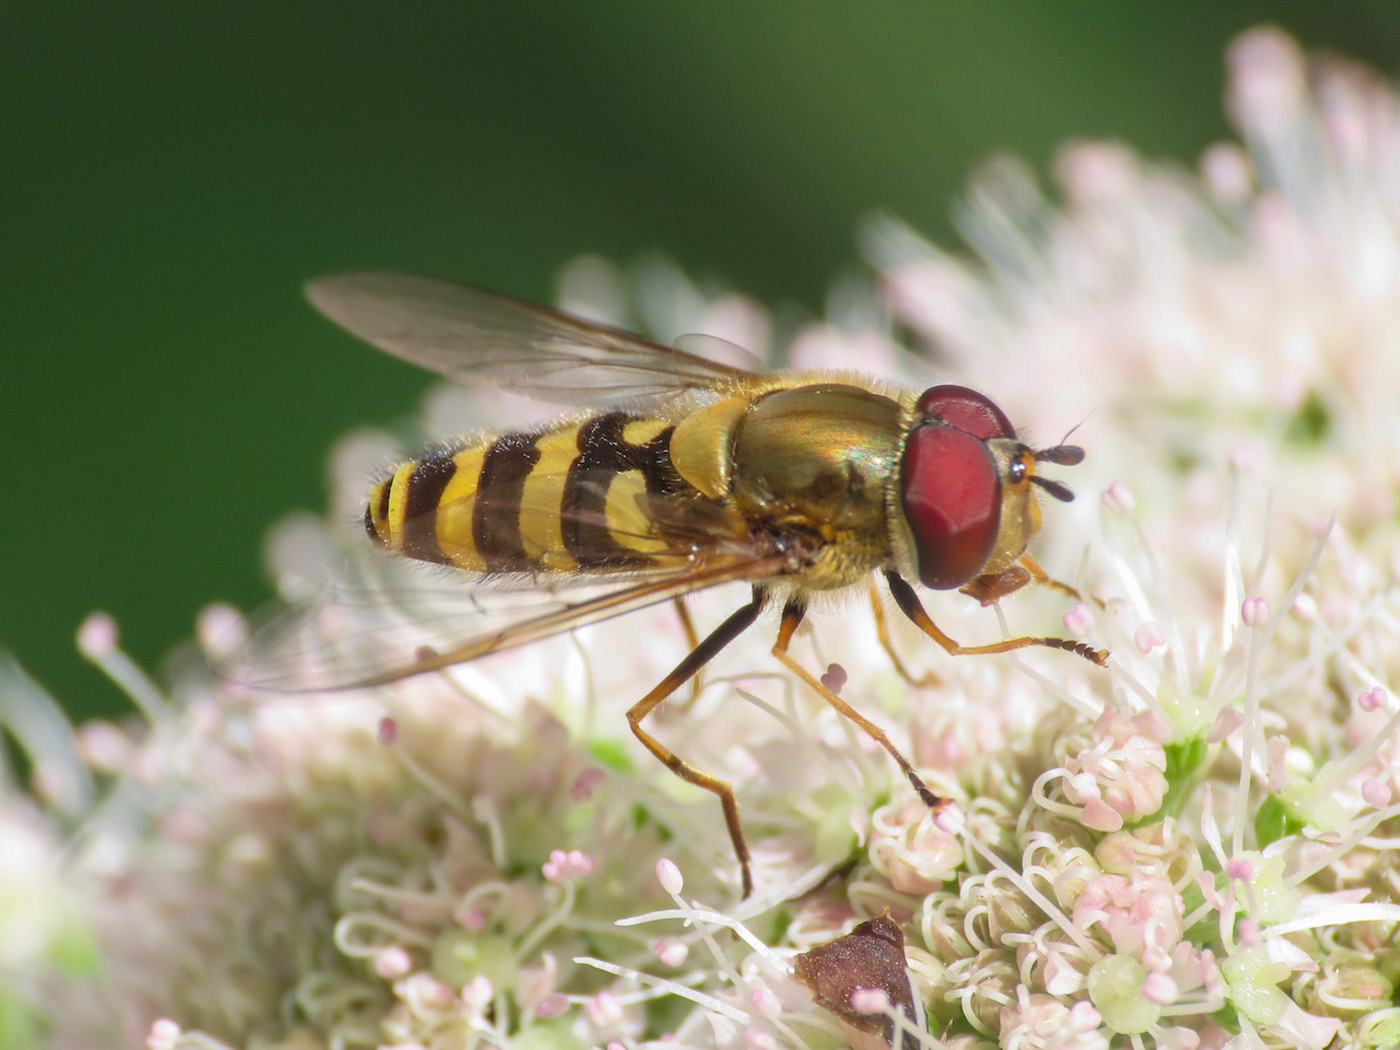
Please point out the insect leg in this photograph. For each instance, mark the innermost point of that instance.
(1043, 578)
(882, 634)
(910, 605)
(702, 654)
(793, 612)
(693, 640)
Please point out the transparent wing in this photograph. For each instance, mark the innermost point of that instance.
(472, 335)
(381, 617)
(384, 618)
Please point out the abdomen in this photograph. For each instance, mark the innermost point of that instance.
(575, 496)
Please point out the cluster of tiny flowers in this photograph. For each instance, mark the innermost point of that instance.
(420, 868)
(1204, 850)
(1192, 848)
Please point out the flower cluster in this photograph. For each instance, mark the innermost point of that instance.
(1193, 848)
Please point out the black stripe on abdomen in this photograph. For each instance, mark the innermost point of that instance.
(496, 512)
(603, 454)
(425, 487)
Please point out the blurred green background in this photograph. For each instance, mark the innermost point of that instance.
(172, 171)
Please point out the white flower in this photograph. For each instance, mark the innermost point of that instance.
(1193, 845)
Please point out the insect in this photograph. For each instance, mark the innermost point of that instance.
(681, 473)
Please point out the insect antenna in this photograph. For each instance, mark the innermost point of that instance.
(1061, 455)
(1055, 488)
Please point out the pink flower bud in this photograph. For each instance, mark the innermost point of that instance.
(392, 962)
(1078, 620)
(1373, 699)
(1148, 637)
(1375, 793)
(1254, 611)
(98, 637)
(870, 1000)
(164, 1035)
(669, 876)
(1119, 498)
(670, 951)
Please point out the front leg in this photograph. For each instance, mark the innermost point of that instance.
(910, 605)
(1043, 578)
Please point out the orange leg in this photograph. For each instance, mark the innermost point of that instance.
(910, 605)
(882, 634)
(693, 641)
(699, 656)
(1043, 578)
(792, 617)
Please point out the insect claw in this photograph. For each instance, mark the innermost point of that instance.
(935, 803)
(1098, 657)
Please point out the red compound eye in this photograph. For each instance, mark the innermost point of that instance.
(965, 409)
(952, 501)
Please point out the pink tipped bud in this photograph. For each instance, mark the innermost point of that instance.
(164, 1035)
(104, 746)
(1160, 989)
(1227, 172)
(1375, 793)
(220, 629)
(574, 864)
(1226, 724)
(1239, 869)
(1078, 620)
(435, 993)
(1100, 816)
(1254, 611)
(669, 876)
(553, 868)
(1148, 637)
(98, 637)
(1119, 498)
(1083, 1017)
(604, 1010)
(551, 1006)
(478, 991)
(1249, 933)
(670, 951)
(1373, 699)
(473, 919)
(392, 962)
(765, 1002)
(388, 730)
(870, 1000)
(578, 864)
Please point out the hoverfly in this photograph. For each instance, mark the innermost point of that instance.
(682, 473)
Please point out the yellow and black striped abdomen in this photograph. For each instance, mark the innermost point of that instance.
(574, 496)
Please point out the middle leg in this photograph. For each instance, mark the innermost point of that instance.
(793, 612)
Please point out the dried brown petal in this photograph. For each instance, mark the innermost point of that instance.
(870, 956)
